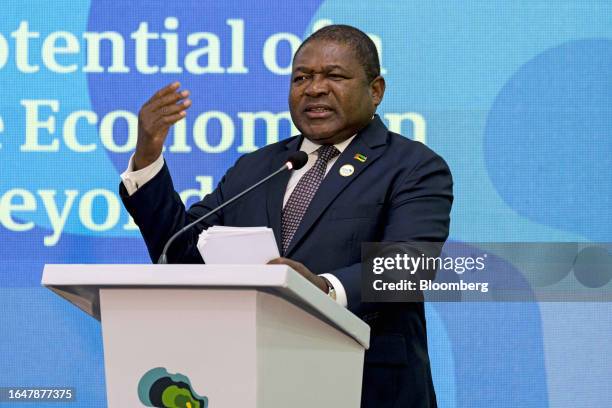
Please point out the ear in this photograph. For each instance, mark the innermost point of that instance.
(377, 90)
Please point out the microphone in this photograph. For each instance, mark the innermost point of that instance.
(296, 161)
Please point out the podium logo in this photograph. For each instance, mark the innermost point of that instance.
(158, 388)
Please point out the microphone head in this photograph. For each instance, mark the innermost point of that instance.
(297, 160)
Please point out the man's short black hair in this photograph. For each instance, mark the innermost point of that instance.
(364, 47)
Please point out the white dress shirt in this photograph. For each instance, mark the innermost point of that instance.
(133, 180)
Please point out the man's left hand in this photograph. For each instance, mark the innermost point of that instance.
(315, 279)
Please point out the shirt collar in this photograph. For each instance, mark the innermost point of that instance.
(309, 147)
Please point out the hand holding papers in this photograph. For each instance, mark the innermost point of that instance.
(237, 245)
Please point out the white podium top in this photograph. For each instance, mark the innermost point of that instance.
(80, 284)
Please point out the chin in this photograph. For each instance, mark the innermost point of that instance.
(319, 132)
(319, 136)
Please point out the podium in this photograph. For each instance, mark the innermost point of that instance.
(218, 336)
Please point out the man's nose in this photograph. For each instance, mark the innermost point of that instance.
(317, 86)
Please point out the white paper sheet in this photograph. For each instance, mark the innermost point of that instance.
(237, 245)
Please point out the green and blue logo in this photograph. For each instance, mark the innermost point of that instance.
(158, 388)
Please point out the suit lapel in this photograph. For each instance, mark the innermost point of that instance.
(370, 143)
(277, 187)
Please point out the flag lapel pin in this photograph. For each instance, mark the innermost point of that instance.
(360, 157)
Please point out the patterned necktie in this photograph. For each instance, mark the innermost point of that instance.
(302, 194)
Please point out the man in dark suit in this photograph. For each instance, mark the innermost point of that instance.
(362, 183)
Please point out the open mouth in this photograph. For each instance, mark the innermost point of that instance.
(318, 111)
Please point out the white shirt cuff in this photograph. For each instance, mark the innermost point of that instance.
(133, 180)
(340, 292)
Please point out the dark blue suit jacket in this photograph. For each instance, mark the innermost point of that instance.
(402, 192)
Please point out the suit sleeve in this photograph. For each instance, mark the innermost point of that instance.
(419, 210)
(158, 211)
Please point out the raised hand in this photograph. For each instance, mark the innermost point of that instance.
(155, 118)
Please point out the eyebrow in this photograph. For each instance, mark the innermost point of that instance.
(326, 68)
